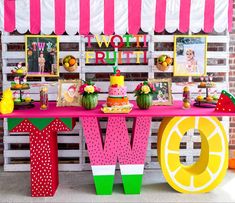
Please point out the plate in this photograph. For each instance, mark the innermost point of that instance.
(117, 109)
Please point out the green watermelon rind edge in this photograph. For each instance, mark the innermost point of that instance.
(224, 92)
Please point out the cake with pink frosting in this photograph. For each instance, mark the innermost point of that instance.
(117, 95)
(116, 91)
(117, 101)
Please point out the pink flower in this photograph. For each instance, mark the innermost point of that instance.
(88, 88)
(81, 89)
(139, 87)
(97, 89)
(150, 85)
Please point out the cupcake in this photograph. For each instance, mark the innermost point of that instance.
(18, 86)
(28, 99)
(24, 86)
(209, 99)
(202, 84)
(200, 98)
(215, 97)
(17, 100)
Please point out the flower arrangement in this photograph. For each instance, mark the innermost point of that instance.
(88, 88)
(89, 94)
(144, 88)
(144, 93)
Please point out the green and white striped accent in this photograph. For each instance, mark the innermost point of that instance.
(131, 176)
(103, 178)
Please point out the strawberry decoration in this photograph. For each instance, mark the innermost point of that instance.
(226, 102)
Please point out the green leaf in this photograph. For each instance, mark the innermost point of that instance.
(13, 122)
(68, 122)
(145, 82)
(41, 123)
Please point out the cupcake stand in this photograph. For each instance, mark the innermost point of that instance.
(203, 176)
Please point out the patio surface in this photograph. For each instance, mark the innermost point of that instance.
(78, 187)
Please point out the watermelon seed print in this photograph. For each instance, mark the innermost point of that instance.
(43, 155)
(117, 148)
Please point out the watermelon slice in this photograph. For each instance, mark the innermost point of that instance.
(226, 102)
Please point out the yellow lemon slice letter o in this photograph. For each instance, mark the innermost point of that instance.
(209, 170)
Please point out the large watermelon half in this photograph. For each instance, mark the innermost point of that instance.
(226, 102)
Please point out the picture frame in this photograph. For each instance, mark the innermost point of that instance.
(42, 55)
(190, 55)
(68, 93)
(164, 93)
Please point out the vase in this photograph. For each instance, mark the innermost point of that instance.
(144, 101)
(90, 101)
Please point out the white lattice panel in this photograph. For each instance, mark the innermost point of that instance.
(72, 152)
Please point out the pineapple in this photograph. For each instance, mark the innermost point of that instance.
(7, 103)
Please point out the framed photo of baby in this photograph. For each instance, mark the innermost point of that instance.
(190, 55)
(163, 95)
(68, 93)
(42, 55)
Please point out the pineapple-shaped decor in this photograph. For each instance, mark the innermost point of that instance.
(7, 103)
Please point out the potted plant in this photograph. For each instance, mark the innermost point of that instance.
(144, 93)
(89, 94)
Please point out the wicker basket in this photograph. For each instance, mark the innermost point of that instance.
(70, 68)
(161, 67)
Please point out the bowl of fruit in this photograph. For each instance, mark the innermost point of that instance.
(163, 62)
(70, 63)
(19, 70)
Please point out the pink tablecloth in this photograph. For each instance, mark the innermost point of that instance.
(74, 112)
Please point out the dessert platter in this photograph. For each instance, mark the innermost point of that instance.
(117, 101)
(211, 98)
(22, 99)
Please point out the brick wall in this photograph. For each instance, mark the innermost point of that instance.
(1, 128)
(232, 81)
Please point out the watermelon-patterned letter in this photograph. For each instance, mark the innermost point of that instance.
(117, 147)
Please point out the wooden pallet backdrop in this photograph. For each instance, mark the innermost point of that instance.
(72, 150)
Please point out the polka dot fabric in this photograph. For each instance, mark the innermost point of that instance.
(43, 156)
(117, 146)
(117, 91)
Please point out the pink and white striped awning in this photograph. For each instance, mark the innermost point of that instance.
(115, 16)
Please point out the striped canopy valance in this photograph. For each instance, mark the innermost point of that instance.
(115, 16)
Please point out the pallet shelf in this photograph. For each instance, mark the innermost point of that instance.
(188, 153)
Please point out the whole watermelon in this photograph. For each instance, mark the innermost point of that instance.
(144, 101)
(90, 101)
